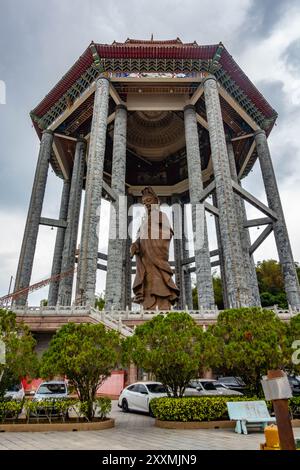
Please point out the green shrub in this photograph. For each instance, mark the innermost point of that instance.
(206, 408)
(294, 407)
(49, 408)
(101, 408)
(10, 409)
(193, 408)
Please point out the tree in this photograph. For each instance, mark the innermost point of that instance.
(271, 284)
(100, 302)
(20, 357)
(269, 276)
(86, 354)
(217, 285)
(168, 346)
(246, 342)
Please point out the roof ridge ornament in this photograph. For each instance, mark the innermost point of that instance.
(96, 57)
(216, 58)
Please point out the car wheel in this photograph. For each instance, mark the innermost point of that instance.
(125, 407)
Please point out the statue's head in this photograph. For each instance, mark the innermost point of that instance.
(149, 197)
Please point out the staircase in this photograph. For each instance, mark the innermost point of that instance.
(110, 322)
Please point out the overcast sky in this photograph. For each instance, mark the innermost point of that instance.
(40, 40)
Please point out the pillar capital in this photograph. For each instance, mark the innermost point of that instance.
(81, 140)
(102, 77)
(47, 131)
(209, 77)
(259, 131)
(121, 106)
(189, 106)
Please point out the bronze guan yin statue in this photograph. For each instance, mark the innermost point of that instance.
(153, 286)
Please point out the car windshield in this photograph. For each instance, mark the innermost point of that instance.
(208, 385)
(228, 380)
(15, 388)
(48, 389)
(156, 388)
(218, 385)
(195, 384)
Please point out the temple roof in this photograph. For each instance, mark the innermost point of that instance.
(209, 58)
(139, 42)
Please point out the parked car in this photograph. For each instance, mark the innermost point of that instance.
(138, 396)
(52, 389)
(16, 392)
(295, 385)
(208, 387)
(234, 383)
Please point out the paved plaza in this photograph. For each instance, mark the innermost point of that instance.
(134, 431)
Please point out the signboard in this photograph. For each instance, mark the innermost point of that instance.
(276, 389)
(151, 75)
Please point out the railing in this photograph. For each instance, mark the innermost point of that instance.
(101, 316)
(118, 316)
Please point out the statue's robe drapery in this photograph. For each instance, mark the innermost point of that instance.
(153, 281)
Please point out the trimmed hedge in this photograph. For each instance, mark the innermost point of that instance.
(53, 409)
(10, 410)
(204, 408)
(294, 407)
(61, 408)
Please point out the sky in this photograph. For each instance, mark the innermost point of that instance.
(40, 40)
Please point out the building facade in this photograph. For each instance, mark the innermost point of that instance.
(183, 118)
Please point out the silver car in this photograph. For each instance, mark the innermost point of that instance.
(16, 392)
(208, 387)
(51, 390)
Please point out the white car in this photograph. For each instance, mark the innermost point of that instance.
(138, 396)
(51, 390)
(16, 392)
(208, 387)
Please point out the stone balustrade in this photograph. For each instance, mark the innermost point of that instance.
(115, 316)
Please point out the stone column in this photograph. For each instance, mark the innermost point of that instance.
(249, 265)
(33, 217)
(59, 244)
(70, 240)
(280, 230)
(187, 282)
(221, 256)
(87, 263)
(128, 262)
(178, 249)
(202, 258)
(116, 244)
(238, 295)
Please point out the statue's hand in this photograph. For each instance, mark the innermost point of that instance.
(139, 298)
